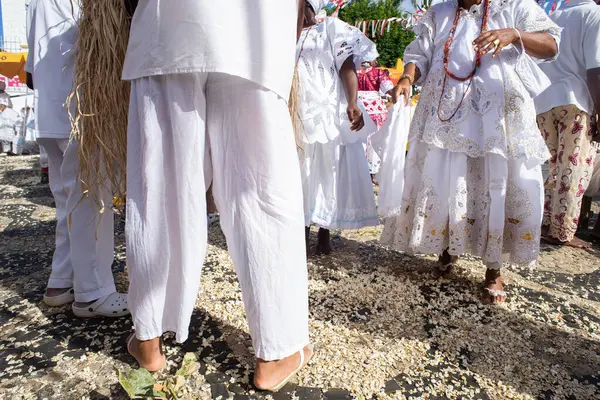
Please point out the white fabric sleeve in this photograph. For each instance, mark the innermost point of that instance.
(591, 41)
(30, 37)
(348, 41)
(530, 17)
(420, 51)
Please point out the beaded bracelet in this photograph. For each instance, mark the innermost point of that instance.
(410, 78)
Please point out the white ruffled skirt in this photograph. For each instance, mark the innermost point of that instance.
(338, 193)
(489, 207)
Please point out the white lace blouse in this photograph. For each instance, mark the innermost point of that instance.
(321, 52)
(498, 114)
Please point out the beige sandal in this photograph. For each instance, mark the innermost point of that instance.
(303, 362)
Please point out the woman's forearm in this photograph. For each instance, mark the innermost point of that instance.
(538, 44)
(349, 81)
(413, 71)
(300, 22)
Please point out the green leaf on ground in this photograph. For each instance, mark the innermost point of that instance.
(189, 366)
(138, 383)
(126, 385)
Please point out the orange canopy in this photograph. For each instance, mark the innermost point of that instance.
(13, 64)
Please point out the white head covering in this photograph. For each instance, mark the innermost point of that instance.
(318, 5)
(5, 100)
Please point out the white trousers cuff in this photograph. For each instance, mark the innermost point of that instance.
(56, 283)
(96, 294)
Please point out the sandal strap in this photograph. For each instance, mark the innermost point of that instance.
(445, 267)
(495, 292)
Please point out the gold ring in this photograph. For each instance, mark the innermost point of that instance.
(496, 42)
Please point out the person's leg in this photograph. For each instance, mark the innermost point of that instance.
(323, 242)
(45, 178)
(210, 202)
(493, 291)
(574, 171)
(307, 238)
(166, 228)
(211, 207)
(257, 188)
(548, 125)
(585, 214)
(91, 233)
(446, 263)
(61, 277)
(596, 230)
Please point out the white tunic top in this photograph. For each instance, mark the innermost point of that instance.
(498, 114)
(10, 121)
(251, 39)
(321, 52)
(51, 35)
(579, 52)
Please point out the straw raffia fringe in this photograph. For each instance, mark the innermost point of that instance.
(293, 107)
(98, 105)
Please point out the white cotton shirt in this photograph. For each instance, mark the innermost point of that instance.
(51, 35)
(579, 52)
(252, 39)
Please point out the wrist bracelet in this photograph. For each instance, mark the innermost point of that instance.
(410, 78)
(520, 38)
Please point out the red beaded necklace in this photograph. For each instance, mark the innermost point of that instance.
(447, 48)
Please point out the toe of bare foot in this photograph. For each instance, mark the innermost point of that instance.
(578, 243)
(575, 242)
(493, 289)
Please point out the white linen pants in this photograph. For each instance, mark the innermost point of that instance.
(84, 237)
(257, 189)
(43, 157)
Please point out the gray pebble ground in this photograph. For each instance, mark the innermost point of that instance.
(383, 324)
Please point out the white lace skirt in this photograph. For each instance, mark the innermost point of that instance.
(488, 207)
(338, 193)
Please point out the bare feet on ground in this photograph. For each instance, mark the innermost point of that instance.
(269, 374)
(148, 353)
(493, 291)
(446, 264)
(324, 242)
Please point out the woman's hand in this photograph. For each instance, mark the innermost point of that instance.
(356, 117)
(497, 39)
(403, 88)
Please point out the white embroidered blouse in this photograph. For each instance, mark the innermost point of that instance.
(498, 114)
(321, 52)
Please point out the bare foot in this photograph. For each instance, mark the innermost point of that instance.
(82, 305)
(50, 292)
(446, 264)
(575, 242)
(148, 353)
(269, 374)
(493, 292)
(324, 243)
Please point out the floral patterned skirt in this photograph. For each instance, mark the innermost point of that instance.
(489, 207)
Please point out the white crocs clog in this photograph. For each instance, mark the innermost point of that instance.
(112, 306)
